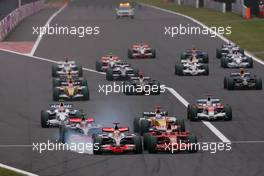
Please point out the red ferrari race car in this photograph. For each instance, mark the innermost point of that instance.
(209, 109)
(106, 62)
(117, 140)
(141, 51)
(170, 139)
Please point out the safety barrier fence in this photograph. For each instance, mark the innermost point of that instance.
(9, 22)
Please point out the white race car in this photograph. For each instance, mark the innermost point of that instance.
(191, 67)
(228, 48)
(58, 114)
(236, 60)
(63, 67)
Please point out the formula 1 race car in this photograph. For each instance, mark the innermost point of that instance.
(209, 109)
(120, 72)
(202, 56)
(236, 60)
(125, 10)
(141, 51)
(63, 67)
(242, 80)
(156, 120)
(63, 80)
(106, 62)
(170, 140)
(58, 114)
(228, 48)
(78, 126)
(117, 140)
(141, 86)
(191, 67)
(71, 92)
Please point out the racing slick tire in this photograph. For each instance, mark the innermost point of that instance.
(80, 71)
(130, 54)
(44, 119)
(223, 62)
(228, 111)
(183, 56)
(98, 66)
(205, 58)
(176, 69)
(181, 123)
(152, 143)
(56, 82)
(225, 82)
(153, 52)
(54, 70)
(86, 93)
(97, 143)
(230, 84)
(241, 51)
(136, 124)
(138, 144)
(192, 113)
(250, 62)
(109, 75)
(84, 82)
(218, 53)
(127, 89)
(144, 126)
(146, 137)
(56, 94)
(180, 70)
(192, 140)
(136, 72)
(258, 83)
(206, 67)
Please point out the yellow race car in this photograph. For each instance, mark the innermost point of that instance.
(71, 91)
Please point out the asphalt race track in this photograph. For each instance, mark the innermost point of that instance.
(26, 89)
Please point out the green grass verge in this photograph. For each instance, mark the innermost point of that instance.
(6, 172)
(249, 34)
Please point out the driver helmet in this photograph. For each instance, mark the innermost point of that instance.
(61, 107)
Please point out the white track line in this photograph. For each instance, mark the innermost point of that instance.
(203, 25)
(17, 170)
(46, 25)
(206, 123)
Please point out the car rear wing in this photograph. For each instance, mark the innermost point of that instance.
(58, 105)
(151, 114)
(111, 129)
(78, 120)
(203, 101)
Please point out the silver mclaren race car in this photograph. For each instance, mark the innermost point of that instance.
(236, 60)
(63, 67)
(117, 140)
(120, 72)
(242, 80)
(58, 114)
(142, 51)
